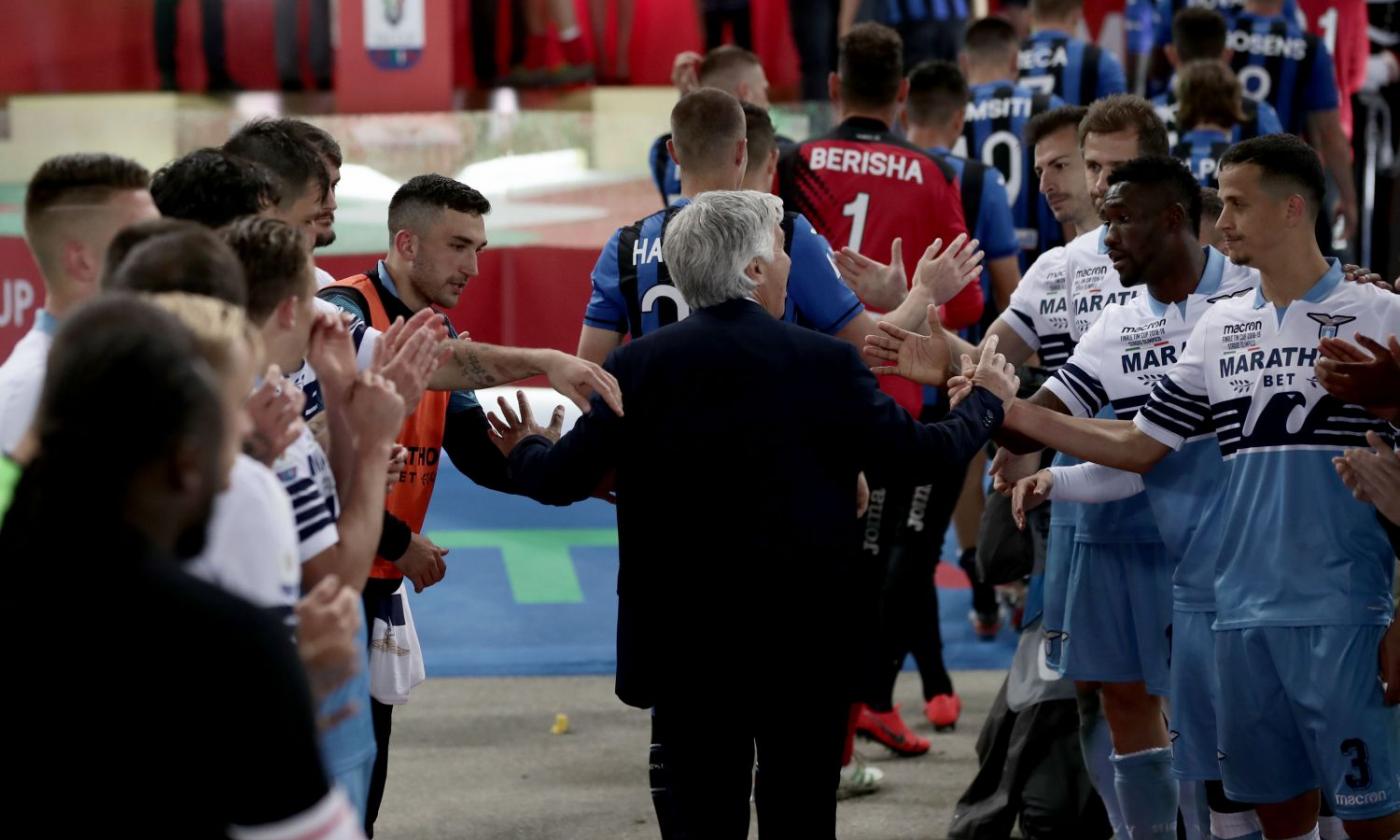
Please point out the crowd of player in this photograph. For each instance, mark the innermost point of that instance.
(1206, 575)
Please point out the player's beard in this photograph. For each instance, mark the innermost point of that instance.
(324, 239)
(1130, 280)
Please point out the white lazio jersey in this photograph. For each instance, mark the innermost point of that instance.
(365, 336)
(1116, 364)
(306, 476)
(22, 381)
(1091, 282)
(1297, 549)
(1130, 346)
(1086, 287)
(252, 550)
(1029, 312)
(1049, 312)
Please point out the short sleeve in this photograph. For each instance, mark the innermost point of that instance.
(1020, 313)
(814, 287)
(1162, 22)
(1112, 79)
(1178, 407)
(1321, 91)
(995, 227)
(606, 308)
(364, 336)
(1079, 382)
(305, 475)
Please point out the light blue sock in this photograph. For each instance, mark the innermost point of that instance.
(1147, 793)
(1097, 747)
(1195, 811)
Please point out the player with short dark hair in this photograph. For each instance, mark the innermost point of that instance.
(997, 113)
(73, 207)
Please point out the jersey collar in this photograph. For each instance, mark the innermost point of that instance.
(862, 128)
(386, 281)
(45, 322)
(1324, 286)
(1211, 275)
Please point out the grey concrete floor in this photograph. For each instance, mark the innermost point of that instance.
(474, 758)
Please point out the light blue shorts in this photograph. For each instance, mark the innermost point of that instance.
(1059, 548)
(1195, 692)
(1118, 614)
(1302, 708)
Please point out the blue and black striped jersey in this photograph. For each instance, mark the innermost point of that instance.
(895, 12)
(1279, 63)
(1076, 71)
(1200, 149)
(633, 291)
(992, 133)
(988, 214)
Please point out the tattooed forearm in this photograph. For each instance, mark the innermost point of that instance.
(469, 361)
(477, 365)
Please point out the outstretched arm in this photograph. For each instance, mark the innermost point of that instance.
(1113, 443)
(473, 365)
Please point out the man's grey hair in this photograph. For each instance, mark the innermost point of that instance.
(712, 240)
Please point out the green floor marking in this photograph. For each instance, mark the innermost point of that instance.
(537, 560)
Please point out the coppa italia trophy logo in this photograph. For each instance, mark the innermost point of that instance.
(394, 32)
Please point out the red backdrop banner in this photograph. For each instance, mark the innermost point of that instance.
(81, 45)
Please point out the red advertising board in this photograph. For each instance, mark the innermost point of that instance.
(21, 292)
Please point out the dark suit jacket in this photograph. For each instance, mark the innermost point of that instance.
(736, 466)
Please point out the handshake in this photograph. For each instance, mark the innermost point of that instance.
(926, 359)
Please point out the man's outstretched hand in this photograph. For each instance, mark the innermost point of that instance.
(921, 358)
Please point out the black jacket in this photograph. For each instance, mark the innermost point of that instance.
(736, 468)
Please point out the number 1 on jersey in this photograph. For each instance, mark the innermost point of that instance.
(857, 210)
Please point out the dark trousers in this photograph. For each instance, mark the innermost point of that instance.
(377, 591)
(484, 24)
(702, 764)
(739, 21)
(212, 12)
(903, 540)
(912, 523)
(318, 40)
(814, 34)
